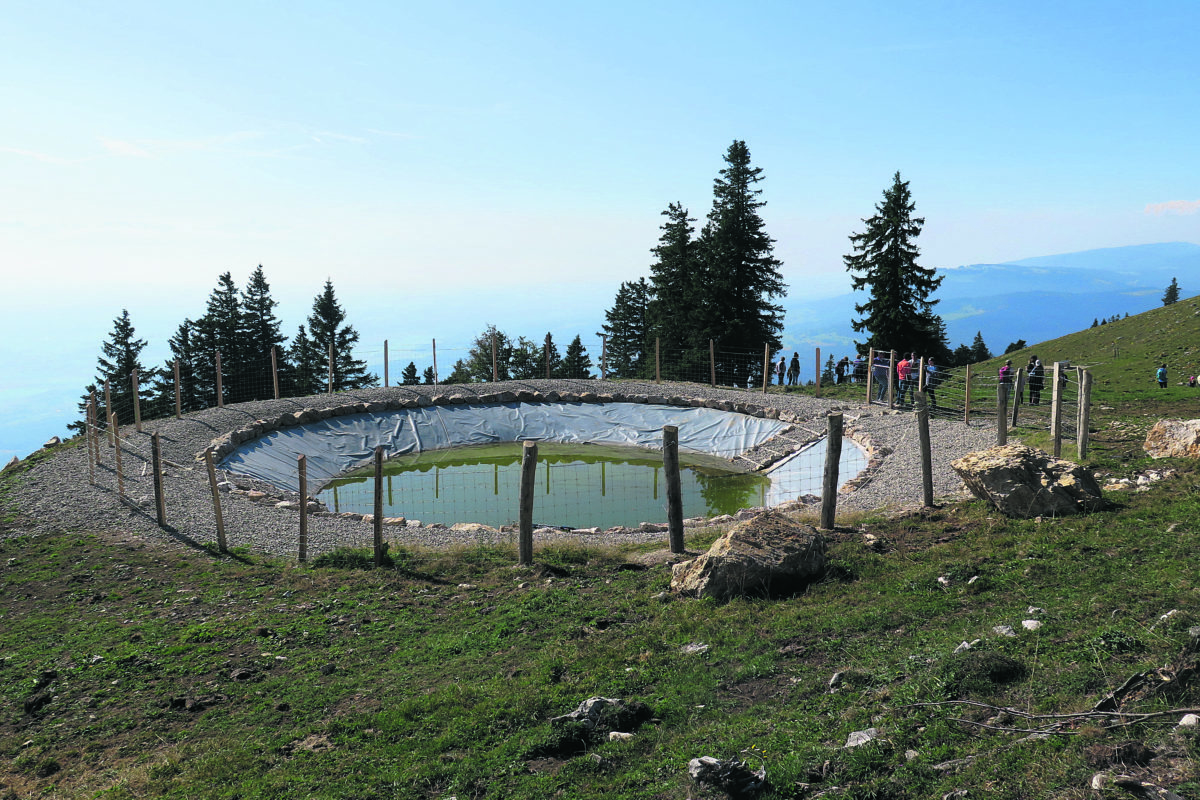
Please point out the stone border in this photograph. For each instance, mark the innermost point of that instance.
(758, 458)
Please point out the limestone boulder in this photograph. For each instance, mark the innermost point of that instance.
(1025, 482)
(768, 554)
(1174, 438)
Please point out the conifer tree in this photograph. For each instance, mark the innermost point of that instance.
(979, 350)
(626, 327)
(427, 376)
(478, 366)
(183, 351)
(1171, 295)
(524, 360)
(408, 377)
(738, 273)
(671, 305)
(550, 356)
(120, 356)
(325, 328)
(260, 334)
(304, 362)
(220, 331)
(898, 315)
(576, 363)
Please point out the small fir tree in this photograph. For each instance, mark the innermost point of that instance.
(325, 328)
(1171, 295)
(408, 377)
(576, 364)
(626, 327)
(479, 357)
(220, 331)
(427, 376)
(899, 312)
(120, 357)
(979, 350)
(260, 335)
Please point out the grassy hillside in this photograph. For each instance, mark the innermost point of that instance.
(130, 669)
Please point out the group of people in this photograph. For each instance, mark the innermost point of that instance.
(792, 370)
(1035, 379)
(844, 371)
(908, 379)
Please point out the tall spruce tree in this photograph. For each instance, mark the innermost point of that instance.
(738, 273)
(1171, 295)
(325, 328)
(626, 328)
(671, 307)
(576, 363)
(119, 357)
(979, 349)
(260, 335)
(899, 313)
(427, 376)
(551, 358)
(220, 331)
(408, 376)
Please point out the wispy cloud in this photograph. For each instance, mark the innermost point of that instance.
(392, 134)
(154, 148)
(320, 137)
(120, 147)
(45, 158)
(1173, 207)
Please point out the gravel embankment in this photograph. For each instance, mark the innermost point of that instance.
(55, 494)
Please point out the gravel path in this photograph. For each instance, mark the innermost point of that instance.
(55, 494)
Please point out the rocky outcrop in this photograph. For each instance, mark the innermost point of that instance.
(1025, 482)
(766, 555)
(1174, 438)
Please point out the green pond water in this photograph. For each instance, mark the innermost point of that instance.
(578, 486)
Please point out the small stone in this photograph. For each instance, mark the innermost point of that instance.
(1189, 721)
(694, 648)
(620, 736)
(1004, 630)
(1031, 624)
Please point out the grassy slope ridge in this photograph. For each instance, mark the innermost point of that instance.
(130, 670)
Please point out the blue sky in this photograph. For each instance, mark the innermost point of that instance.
(447, 154)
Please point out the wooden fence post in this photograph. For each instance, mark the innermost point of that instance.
(926, 450)
(657, 359)
(329, 384)
(89, 432)
(546, 349)
(385, 364)
(892, 379)
(216, 498)
(116, 434)
(95, 431)
(178, 397)
(137, 405)
(712, 362)
(275, 370)
(494, 373)
(766, 366)
(818, 373)
(435, 372)
(833, 457)
(603, 356)
(674, 490)
(525, 504)
(1002, 413)
(1020, 395)
(220, 385)
(967, 398)
(1085, 413)
(377, 519)
(871, 389)
(302, 468)
(1056, 410)
(160, 502)
(108, 408)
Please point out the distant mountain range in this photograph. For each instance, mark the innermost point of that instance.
(1034, 299)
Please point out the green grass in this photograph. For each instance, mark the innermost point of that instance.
(178, 674)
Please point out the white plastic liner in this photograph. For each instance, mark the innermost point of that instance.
(339, 444)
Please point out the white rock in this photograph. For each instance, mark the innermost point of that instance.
(620, 736)
(1004, 630)
(1031, 624)
(858, 738)
(1189, 721)
(694, 648)
(1034, 611)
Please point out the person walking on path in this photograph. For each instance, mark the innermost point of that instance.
(904, 375)
(1037, 377)
(1161, 374)
(793, 373)
(779, 368)
(931, 381)
(1006, 374)
(879, 374)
